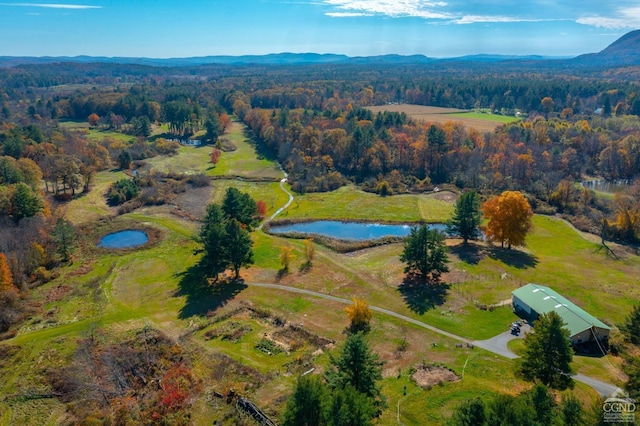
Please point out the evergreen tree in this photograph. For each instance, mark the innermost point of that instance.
(632, 369)
(548, 353)
(350, 407)
(213, 236)
(25, 202)
(213, 127)
(240, 206)
(124, 160)
(631, 326)
(307, 405)
(64, 236)
(358, 367)
(424, 254)
(470, 413)
(238, 248)
(571, 411)
(543, 404)
(466, 217)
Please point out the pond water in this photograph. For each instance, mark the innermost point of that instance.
(603, 185)
(124, 239)
(349, 230)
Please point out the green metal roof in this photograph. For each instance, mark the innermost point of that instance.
(543, 299)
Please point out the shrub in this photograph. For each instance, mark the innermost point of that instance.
(122, 190)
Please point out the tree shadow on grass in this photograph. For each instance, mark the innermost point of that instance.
(468, 253)
(202, 297)
(515, 258)
(422, 296)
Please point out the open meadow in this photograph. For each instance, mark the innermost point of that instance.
(258, 335)
(482, 122)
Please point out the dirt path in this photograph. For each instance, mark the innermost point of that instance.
(490, 345)
(281, 209)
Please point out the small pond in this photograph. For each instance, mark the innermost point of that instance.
(124, 239)
(349, 230)
(603, 185)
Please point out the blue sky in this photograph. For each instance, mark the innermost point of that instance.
(436, 28)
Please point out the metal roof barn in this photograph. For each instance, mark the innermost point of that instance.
(533, 300)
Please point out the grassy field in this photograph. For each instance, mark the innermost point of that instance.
(480, 121)
(119, 292)
(93, 205)
(350, 202)
(502, 119)
(244, 161)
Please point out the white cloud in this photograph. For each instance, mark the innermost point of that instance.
(347, 14)
(624, 18)
(474, 19)
(52, 5)
(394, 8)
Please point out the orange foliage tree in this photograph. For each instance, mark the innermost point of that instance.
(94, 119)
(509, 217)
(359, 314)
(262, 208)
(215, 156)
(6, 280)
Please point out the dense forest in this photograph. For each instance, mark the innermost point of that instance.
(314, 120)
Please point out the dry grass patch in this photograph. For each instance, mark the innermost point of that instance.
(427, 376)
(430, 114)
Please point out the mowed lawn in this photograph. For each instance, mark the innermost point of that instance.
(351, 203)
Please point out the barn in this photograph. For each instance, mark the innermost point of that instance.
(533, 300)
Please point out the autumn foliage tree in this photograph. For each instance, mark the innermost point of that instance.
(627, 208)
(359, 315)
(286, 256)
(262, 209)
(6, 280)
(309, 252)
(93, 119)
(509, 216)
(215, 156)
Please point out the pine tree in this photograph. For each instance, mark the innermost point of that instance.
(470, 413)
(213, 236)
(466, 217)
(307, 405)
(357, 366)
(424, 253)
(238, 244)
(64, 237)
(631, 326)
(548, 353)
(240, 206)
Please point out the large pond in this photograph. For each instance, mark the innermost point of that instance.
(124, 239)
(348, 230)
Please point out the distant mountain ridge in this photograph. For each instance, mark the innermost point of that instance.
(624, 51)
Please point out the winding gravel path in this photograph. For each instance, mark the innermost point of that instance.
(496, 345)
(281, 209)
